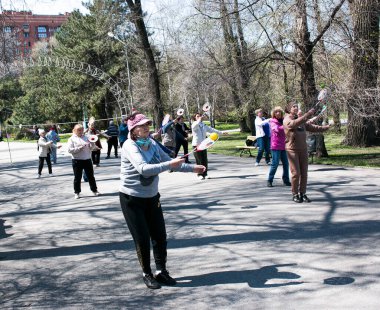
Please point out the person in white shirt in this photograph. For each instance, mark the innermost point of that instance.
(80, 149)
(44, 150)
(262, 136)
(199, 132)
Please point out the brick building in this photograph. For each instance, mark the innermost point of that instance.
(24, 29)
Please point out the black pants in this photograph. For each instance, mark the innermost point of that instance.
(185, 145)
(78, 167)
(146, 223)
(112, 142)
(95, 155)
(201, 159)
(41, 164)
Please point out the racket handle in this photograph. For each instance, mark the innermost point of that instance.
(184, 156)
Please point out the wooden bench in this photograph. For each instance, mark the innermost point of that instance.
(246, 149)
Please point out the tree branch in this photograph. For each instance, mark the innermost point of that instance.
(328, 24)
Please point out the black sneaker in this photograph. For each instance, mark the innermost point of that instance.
(107, 157)
(297, 198)
(305, 198)
(287, 183)
(269, 184)
(151, 282)
(164, 278)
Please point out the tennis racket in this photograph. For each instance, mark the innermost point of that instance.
(204, 145)
(323, 97)
(322, 103)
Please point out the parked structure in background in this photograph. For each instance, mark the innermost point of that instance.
(22, 29)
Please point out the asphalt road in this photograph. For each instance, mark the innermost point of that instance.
(233, 243)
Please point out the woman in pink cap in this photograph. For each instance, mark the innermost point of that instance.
(142, 160)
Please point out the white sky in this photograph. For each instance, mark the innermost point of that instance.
(55, 7)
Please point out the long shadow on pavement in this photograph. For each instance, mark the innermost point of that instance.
(256, 278)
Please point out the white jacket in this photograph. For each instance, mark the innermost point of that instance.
(44, 147)
(259, 122)
(199, 131)
(79, 147)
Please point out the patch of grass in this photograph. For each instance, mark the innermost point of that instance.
(339, 154)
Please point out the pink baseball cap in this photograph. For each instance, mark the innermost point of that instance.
(137, 120)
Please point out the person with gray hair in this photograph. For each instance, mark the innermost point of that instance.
(44, 150)
(112, 141)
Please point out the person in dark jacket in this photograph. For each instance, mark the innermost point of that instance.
(182, 133)
(113, 133)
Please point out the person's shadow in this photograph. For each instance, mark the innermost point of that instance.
(3, 233)
(256, 278)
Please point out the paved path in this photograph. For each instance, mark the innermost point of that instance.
(233, 243)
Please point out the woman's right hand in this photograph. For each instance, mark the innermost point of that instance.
(176, 162)
(199, 169)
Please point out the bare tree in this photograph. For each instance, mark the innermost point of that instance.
(305, 47)
(365, 16)
(154, 83)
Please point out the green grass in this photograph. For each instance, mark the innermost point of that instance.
(339, 154)
(343, 155)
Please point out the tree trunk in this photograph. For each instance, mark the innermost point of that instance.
(153, 79)
(239, 81)
(305, 59)
(333, 105)
(365, 16)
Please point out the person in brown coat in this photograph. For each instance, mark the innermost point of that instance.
(296, 147)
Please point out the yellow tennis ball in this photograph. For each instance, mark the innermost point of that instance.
(214, 136)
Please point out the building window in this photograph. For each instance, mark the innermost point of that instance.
(26, 34)
(41, 29)
(8, 29)
(25, 27)
(42, 35)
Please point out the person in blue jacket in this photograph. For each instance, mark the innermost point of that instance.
(123, 131)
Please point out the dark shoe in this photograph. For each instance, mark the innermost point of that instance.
(116, 156)
(287, 183)
(297, 198)
(305, 198)
(108, 157)
(269, 184)
(164, 278)
(151, 282)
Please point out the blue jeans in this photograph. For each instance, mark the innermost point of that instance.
(263, 143)
(276, 156)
